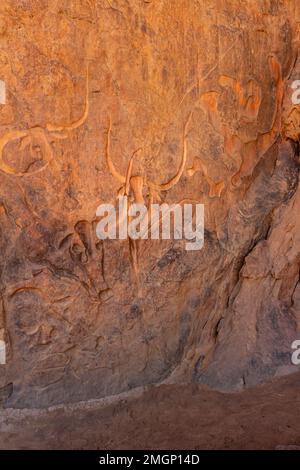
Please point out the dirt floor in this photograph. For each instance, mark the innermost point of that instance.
(164, 417)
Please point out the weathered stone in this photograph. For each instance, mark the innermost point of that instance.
(204, 91)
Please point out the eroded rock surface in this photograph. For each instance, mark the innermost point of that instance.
(90, 82)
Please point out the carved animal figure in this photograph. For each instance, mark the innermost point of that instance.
(135, 186)
(42, 137)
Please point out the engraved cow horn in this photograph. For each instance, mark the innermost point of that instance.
(109, 162)
(176, 178)
(129, 171)
(8, 137)
(76, 124)
(123, 179)
(25, 137)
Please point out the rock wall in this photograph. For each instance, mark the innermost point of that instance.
(203, 86)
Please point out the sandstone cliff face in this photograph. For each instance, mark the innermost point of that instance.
(89, 82)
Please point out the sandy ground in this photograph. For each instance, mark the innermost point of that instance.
(164, 417)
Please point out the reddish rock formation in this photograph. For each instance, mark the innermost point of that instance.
(204, 91)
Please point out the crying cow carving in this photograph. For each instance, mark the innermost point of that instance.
(134, 186)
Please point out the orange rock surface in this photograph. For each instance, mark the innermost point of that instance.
(203, 90)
